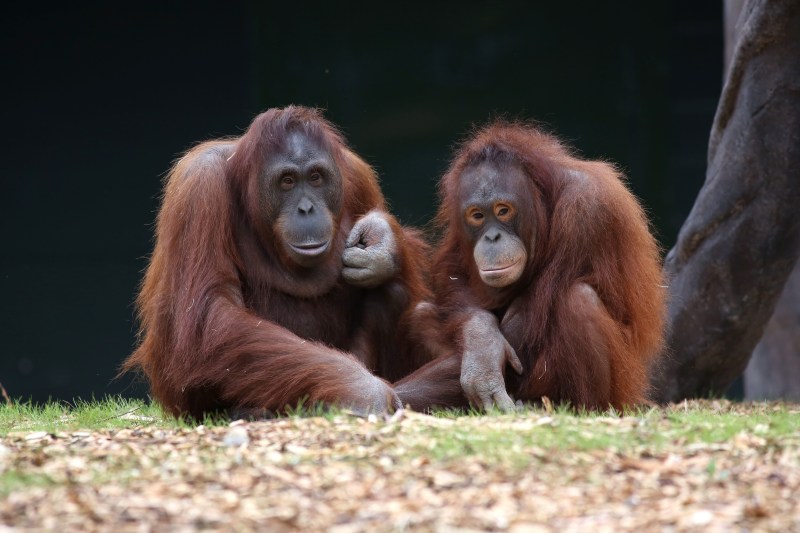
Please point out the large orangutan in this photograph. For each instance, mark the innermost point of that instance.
(277, 276)
(547, 265)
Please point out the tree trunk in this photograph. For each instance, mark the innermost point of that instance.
(774, 369)
(742, 237)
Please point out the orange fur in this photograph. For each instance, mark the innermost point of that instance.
(219, 309)
(586, 227)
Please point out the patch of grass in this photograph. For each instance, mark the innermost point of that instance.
(108, 413)
(304, 409)
(519, 441)
(714, 425)
(115, 412)
(524, 436)
(517, 437)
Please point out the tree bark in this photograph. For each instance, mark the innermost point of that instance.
(774, 369)
(742, 237)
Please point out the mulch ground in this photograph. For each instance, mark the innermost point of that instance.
(350, 474)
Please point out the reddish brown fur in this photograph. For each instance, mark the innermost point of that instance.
(588, 229)
(222, 313)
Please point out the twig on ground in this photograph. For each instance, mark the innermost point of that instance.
(120, 415)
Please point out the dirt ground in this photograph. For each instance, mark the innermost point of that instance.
(411, 472)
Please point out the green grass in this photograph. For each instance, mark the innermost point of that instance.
(500, 438)
(467, 432)
(114, 412)
(108, 413)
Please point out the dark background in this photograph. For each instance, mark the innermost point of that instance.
(98, 101)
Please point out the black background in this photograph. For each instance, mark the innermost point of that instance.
(99, 99)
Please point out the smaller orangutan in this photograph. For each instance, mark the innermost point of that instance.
(547, 265)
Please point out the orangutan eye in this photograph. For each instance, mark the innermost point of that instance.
(315, 178)
(474, 216)
(287, 182)
(504, 212)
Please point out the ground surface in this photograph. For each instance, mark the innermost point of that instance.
(704, 466)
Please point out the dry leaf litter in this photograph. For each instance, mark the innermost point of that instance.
(398, 474)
